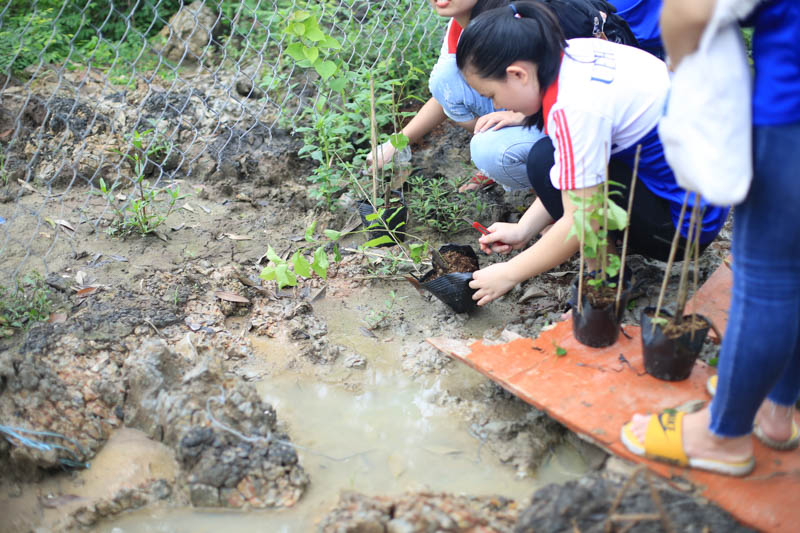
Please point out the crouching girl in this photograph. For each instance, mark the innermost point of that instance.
(596, 101)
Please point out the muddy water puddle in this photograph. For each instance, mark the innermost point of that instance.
(375, 430)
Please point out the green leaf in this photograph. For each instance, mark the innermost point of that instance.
(384, 239)
(337, 255)
(614, 264)
(713, 361)
(309, 236)
(398, 140)
(320, 263)
(297, 51)
(325, 69)
(338, 84)
(284, 276)
(301, 265)
(560, 352)
(311, 53)
(617, 217)
(268, 273)
(298, 29)
(272, 256)
(313, 32)
(332, 234)
(416, 250)
(332, 43)
(300, 16)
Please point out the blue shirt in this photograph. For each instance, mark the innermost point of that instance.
(642, 16)
(776, 54)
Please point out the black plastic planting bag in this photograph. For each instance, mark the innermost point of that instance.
(453, 289)
(670, 359)
(597, 327)
(394, 216)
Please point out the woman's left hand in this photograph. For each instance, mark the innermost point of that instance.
(497, 120)
(492, 282)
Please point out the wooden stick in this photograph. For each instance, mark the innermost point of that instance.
(683, 285)
(671, 259)
(373, 139)
(621, 281)
(580, 250)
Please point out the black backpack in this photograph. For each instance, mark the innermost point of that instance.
(583, 18)
(579, 18)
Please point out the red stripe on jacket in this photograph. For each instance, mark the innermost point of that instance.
(567, 156)
(453, 35)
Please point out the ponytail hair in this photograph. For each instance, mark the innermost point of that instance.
(519, 31)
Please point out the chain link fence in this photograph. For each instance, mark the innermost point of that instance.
(106, 106)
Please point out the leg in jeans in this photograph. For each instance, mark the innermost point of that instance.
(503, 154)
(760, 354)
(499, 154)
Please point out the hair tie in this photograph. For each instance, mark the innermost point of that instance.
(514, 9)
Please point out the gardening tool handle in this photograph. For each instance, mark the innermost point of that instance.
(480, 227)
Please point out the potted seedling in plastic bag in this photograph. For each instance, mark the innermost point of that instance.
(599, 297)
(672, 342)
(384, 212)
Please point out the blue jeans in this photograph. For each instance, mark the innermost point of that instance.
(760, 356)
(502, 154)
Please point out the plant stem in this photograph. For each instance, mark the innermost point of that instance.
(580, 248)
(373, 139)
(672, 250)
(683, 285)
(604, 247)
(621, 281)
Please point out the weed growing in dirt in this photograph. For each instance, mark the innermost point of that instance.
(376, 319)
(434, 203)
(141, 215)
(20, 308)
(285, 271)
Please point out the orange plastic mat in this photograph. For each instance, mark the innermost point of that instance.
(594, 391)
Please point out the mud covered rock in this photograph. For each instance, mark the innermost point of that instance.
(585, 504)
(189, 32)
(224, 435)
(418, 513)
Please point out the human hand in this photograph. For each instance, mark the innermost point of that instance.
(497, 120)
(385, 153)
(492, 282)
(503, 237)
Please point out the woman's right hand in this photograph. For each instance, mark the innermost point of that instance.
(385, 153)
(504, 237)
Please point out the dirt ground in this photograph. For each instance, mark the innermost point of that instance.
(153, 348)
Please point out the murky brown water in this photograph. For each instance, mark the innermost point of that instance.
(375, 430)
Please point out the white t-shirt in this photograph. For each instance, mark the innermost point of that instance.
(607, 97)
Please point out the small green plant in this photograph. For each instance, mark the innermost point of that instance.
(25, 305)
(3, 173)
(560, 351)
(313, 257)
(376, 319)
(595, 216)
(432, 201)
(141, 215)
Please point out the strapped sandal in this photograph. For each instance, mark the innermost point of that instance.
(664, 442)
(477, 182)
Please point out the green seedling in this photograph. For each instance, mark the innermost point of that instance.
(27, 304)
(560, 351)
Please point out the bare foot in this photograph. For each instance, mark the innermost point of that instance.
(699, 442)
(775, 420)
